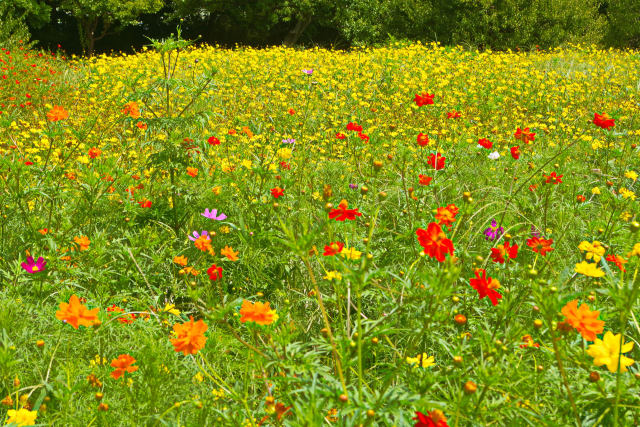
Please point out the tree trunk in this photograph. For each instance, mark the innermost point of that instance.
(295, 33)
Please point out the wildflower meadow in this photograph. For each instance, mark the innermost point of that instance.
(407, 235)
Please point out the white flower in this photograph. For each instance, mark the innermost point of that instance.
(494, 155)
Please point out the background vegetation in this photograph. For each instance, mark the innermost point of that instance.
(82, 26)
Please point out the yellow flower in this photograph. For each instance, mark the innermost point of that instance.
(594, 250)
(589, 269)
(635, 251)
(350, 253)
(608, 351)
(595, 190)
(631, 175)
(627, 194)
(171, 308)
(422, 360)
(625, 216)
(22, 417)
(331, 275)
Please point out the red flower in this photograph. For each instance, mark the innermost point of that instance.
(213, 140)
(285, 165)
(553, 178)
(436, 161)
(423, 99)
(291, 111)
(453, 115)
(277, 192)
(484, 142)
(424, 180)
(580, 198)
(541, 246)
(486, 286)
(423, 139)
(502, 253)
(524, 135)
(603, 121)
(618, 261)
(354, 127)
(144, 203)
(363, 137)
(333, 249)
(94, 152)
(342, 213)
(434, 242)
(447, 215)
(340, 135)
(214, 272)
(433, 419)
(515, 152)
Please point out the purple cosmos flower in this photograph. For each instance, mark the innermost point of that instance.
(213, 214)
(535, 232)
(308, 71)
(353, 186)
(493, 232)
(289, 141)
(196, 236)
(32, 266)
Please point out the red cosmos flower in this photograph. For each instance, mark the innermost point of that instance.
(213, 140)
(333, 249)
(340, 135)
(453, 115)
(94, 152)
(433, 419)
(277, 192)
(142, 126)
(423, 99)
(434, 242)
(424, 180)
(354, 127)
(502, 253)
(524, 135)
(363, 137)
(342, 213)
(291, 111)
(436, 161)
(484, 142)
(541, 246)
(553, 178)
(285, 165)
(423, 139)
(447, 215)
(603, 121)
(214, 272)
(486, 286)
(580, 198)
(618, 261)
(144, 203)
(515, 152)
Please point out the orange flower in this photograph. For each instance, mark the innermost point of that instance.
(76, 314)
(123, 364)
(180, 260)
(229, 253)
(435, 242)
(94, 152)
(142, 125)
(43, 231)
(192, 171)
(583, 320)
(83, 242)
(260, 313)
(447, 215)
(189, 336)
(131, 109)
(204, 244)
(57, 113)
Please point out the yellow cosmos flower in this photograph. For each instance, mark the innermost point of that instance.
(422, 360)
(22, 417)
(627, 194)
(333, 275)
(350, 253)
(594, 250)
(595, 190)
(589, 269)
(608, 351)
(635, 251)
(631, 175)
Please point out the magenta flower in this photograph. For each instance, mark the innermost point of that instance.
(213, 214)
(32, 266)
(196, 235)
(308, 71)
(493, 232)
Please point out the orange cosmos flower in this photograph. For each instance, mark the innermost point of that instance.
(583, 320)
(57, 113)
(502, 253)
(76, 314)
(447, 215)
(260, 313)
(142, 125)
(180, 260)
(435, 242)
(193, 172)
(204, 243)
(189, 336)
(83, 242)
(616, 259)
(131, 109)
(123, 364)
(94, 152)
(228, 252)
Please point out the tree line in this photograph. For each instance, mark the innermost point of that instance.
(90, 26)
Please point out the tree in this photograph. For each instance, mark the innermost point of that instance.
(624, 23)
(98, 18)
(14, 15)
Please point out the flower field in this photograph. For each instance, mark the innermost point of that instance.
(411, 235)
